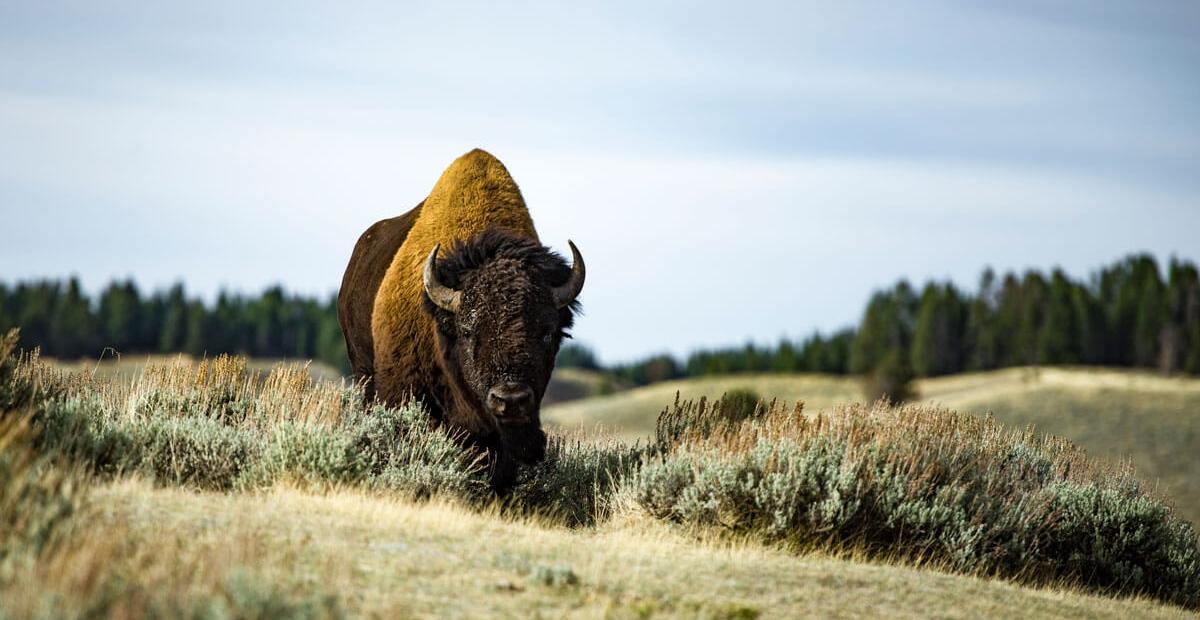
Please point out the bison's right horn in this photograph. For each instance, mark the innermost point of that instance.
(567, 293)
(444, 297)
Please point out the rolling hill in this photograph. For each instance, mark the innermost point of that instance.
(305, 544)
(286, 552)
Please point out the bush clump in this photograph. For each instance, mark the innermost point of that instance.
(918, 482)
(740, 403)
(576, 480)
(36, 500)
(891, 380)
(217, 426)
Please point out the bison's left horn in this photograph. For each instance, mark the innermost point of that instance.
(444, 297)
(567, 293)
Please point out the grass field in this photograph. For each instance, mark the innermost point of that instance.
(1113, 414)
(203, 492)
(631, 414)
(567, 384)
(385, 558)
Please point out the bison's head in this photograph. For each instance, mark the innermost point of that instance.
(503, 304)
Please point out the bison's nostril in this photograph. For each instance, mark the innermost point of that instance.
(510, 399)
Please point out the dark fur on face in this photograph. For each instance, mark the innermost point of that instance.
(503, 339)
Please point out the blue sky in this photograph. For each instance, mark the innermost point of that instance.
(731, 171)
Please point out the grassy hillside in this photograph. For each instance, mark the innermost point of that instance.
(207, 490)
(631, 414)
(287, 550)
(567, 384)
(1113, 414)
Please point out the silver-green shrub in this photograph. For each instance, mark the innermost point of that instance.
(576, 480)
(236, 433)
(920, 482)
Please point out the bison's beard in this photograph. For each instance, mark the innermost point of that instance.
(517, 444)
(526, 444)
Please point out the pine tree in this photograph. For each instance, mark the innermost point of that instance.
(196, 331)
(1120, 289)
(785, 358)
(940, 333)
(1150, 318)
(1090, 325)
(835, 356)
(982, 339)
(1035, 293)
(1058, 340)
(72, 330)
(886, 327)
(174, 322)
(1181, 346)
(120, 313)
(813, 356)
(32, 305)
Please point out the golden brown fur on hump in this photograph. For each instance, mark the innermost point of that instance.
(475, 192)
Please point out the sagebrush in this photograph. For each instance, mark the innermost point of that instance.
(920, 482)
(899, 483)
(216, 425)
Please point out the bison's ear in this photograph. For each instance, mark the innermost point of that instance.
(565, 294)
(442, 296)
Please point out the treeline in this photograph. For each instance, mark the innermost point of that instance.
(1128, 314)
(817, 353)
(66, 322)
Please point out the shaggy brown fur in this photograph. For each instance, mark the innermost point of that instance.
(475, 192)
(372, 256)
(477, 213)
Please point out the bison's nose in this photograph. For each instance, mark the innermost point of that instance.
(510, 400)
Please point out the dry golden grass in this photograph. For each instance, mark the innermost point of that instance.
(968, 388)
(386, 558)
(287, 391)
(125, 367)
(567, 384)
(632, 414)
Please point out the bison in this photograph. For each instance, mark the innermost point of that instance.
(457, 304)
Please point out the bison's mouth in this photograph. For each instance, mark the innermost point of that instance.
(526, 443)
(515, 421)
